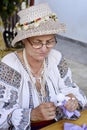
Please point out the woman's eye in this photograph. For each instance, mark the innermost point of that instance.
(49, 42)
(38, 43)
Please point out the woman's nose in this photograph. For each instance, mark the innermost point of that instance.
(44, 48)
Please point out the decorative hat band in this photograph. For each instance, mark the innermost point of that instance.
(34, 23)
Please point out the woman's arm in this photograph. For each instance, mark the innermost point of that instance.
(10, 111)
(69, 86)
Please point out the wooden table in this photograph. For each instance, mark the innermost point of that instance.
(59, 125)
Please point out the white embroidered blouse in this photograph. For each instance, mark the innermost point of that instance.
(18, 96)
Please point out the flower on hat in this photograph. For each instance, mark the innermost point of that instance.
(34, 23)
(53, 16)
(18, 26)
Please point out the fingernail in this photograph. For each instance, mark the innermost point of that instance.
(73, 98)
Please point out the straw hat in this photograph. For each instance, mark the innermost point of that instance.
(36, 20)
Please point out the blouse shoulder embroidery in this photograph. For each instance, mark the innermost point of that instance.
(9, 84)
(63, 68)
(9, 76)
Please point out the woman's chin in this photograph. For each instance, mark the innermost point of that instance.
(41, 58)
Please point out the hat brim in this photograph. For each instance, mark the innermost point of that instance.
(49, 27)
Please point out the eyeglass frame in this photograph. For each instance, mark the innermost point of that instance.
(31, 42)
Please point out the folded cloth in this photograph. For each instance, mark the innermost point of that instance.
(70, 115)
(62, 99)
(70, 126)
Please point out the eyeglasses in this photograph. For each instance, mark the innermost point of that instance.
(38, 44)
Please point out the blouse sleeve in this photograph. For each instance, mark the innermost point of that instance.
(11, 114)
(68, 86)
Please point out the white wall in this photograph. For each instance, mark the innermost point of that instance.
(74, 14)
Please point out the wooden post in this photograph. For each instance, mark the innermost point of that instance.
(31, 2)
(2, 43)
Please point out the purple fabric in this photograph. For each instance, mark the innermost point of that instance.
(70, 126)
(68, 113)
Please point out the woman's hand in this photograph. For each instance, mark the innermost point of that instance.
(45, 111)
(72, 103)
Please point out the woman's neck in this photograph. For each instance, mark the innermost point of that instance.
(33, 62)
(36, 66)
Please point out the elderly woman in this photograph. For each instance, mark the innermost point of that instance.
(34, 79)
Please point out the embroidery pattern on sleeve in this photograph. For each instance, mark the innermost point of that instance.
(24, 120)
(63, 68)
(69, 83)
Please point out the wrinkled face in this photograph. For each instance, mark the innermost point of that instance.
(38, 47)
